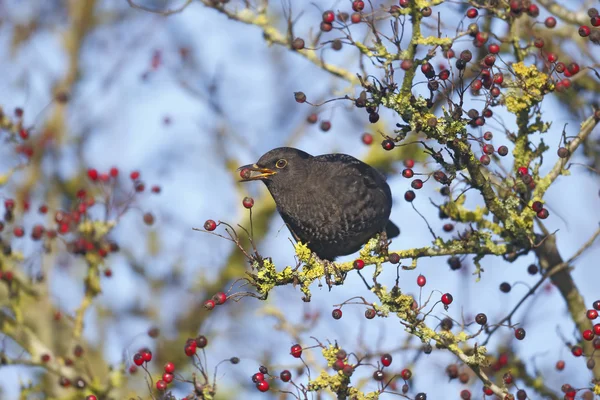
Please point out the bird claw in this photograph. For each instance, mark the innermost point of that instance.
(339, 276)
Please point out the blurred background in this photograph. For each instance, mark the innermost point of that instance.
(187, 98)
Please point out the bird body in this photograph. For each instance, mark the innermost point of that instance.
(334, 203)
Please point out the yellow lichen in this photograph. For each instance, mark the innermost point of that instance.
(96, 229)
(527, 89)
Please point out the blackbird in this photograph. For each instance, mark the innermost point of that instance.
(334, 203)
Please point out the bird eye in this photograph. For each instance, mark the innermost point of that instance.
(281, 163)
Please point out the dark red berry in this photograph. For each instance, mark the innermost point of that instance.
(336, 313)
(584, 31)
(409, 196)
(520, 333)
(220, 298)
(285, 375)
(296, 351)
(481, 319)
(550, 22)
(386, 360)
(210, 225)
(247, 202)
(472, 13)
(388, 144)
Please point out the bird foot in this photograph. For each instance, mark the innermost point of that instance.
(329, 266)
(384, 243)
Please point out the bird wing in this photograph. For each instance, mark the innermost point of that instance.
(372, 178)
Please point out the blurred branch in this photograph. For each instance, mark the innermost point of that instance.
(572, 17)
(160, 12)
(273, 35)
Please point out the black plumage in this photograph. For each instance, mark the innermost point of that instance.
(334, 203)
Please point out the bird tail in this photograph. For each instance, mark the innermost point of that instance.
(391, 230)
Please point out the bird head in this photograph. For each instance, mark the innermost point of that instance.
(278, 165)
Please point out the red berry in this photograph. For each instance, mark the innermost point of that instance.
(296, 351)
(263, 386)
(406, 65)
(520, 333)
(147, 355)
(552, 57)
(358, 5)
(209, 304)
(487, 391)
(210, 225)
(444, 74)
(595, 21)
(472, 13)
(596, 329)
(407, 173)
(386, 360)
(355, 18)
(421, 280)
(167, 377)
(588, 334)
(258, 377)
(161, 385)
(584, 31)
(359, 264)
(560, 365)
(592, 314)
(596, 305)
(367, 138)
(577, 351)
(19, 231)
(406, 374)
(220, 298)
(494, 48)
(447, 298)
(538, 42)
(248, 202)
(537, 206)
(138, 359)
(533, 11)
(409, 196)
(190, 349)
(328, 16)
(135, 175)
(409, 163)
(92, 174)
(169, 367)
(573, 68)
(91, 397)
(550, 22)
(155, 189)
